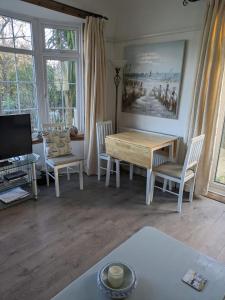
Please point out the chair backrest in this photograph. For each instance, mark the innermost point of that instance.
(193, 153)
(103, 129)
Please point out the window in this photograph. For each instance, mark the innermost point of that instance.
(217, 182)
(61, 91)
(63, 39)
(17, 72)
(62, 59)
(40, 71)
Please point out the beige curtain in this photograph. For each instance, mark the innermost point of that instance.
(95, 85)
(208, 88)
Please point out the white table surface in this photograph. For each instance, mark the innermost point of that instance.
(160, 262)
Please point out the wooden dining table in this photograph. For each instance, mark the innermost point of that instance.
(138, 148)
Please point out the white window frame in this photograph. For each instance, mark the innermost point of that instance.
(62, 55)
(214, 186)
(23, 51)
(41, 55)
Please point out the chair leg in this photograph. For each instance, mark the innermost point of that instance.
(56, 175)
(99, 169)
(108, 172)
(117, 173)
(164, 184)
(131, 171)
(192, 188)
(81, 176)
(152, 187)
(46, 174)
(148, 179)
(68, 174)
(180, 197)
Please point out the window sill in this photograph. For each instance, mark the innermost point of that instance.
(78, 137)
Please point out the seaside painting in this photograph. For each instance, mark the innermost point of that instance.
(152, 79)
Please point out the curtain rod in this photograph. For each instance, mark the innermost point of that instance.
(64, 8)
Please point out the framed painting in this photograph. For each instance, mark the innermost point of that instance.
(152, 79)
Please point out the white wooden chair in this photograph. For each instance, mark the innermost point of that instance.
(180, 173)
(60, 162)
(103, 129)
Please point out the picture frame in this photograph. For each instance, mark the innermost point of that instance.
(152, 79)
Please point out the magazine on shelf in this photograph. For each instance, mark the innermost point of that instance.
(13, 194)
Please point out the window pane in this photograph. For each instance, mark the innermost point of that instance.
(55, 94)
(61, 77)
(26, 95)
(8, 96)
(34, 118)
(24, 67)
(56, 115)
(7, 67)
(22, 34)
(52, 38)
(54, 71)
(69, 117)
(65, 116)
(69, 71)
(68, 39)
(69, 96)
(60, 39)
(6, 34)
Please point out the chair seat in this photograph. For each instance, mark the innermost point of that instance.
(172, 170)
(60, 160)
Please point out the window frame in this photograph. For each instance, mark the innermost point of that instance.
(41, 54)
(62, 55)
(216, 187)
(15, 51)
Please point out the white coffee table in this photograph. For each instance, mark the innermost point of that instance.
(160, 262)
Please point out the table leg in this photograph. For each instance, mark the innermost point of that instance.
(81, 175)
(56, 175)
(34, 180)
(117, 173)
(148, 186)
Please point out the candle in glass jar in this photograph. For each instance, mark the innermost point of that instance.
(115, 276)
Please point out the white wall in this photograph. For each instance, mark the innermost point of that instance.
(147, 17)
(151, 21)
(169, 126)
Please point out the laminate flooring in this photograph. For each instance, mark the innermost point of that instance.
(46, 244)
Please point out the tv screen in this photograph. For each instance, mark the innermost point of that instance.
(15, 135)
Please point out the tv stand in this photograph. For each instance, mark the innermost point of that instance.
(5, 163)
(25, 170)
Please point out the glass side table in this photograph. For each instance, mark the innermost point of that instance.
(26, 167)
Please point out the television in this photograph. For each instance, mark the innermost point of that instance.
(15, 136)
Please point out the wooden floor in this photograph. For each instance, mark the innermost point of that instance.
(45, 244)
